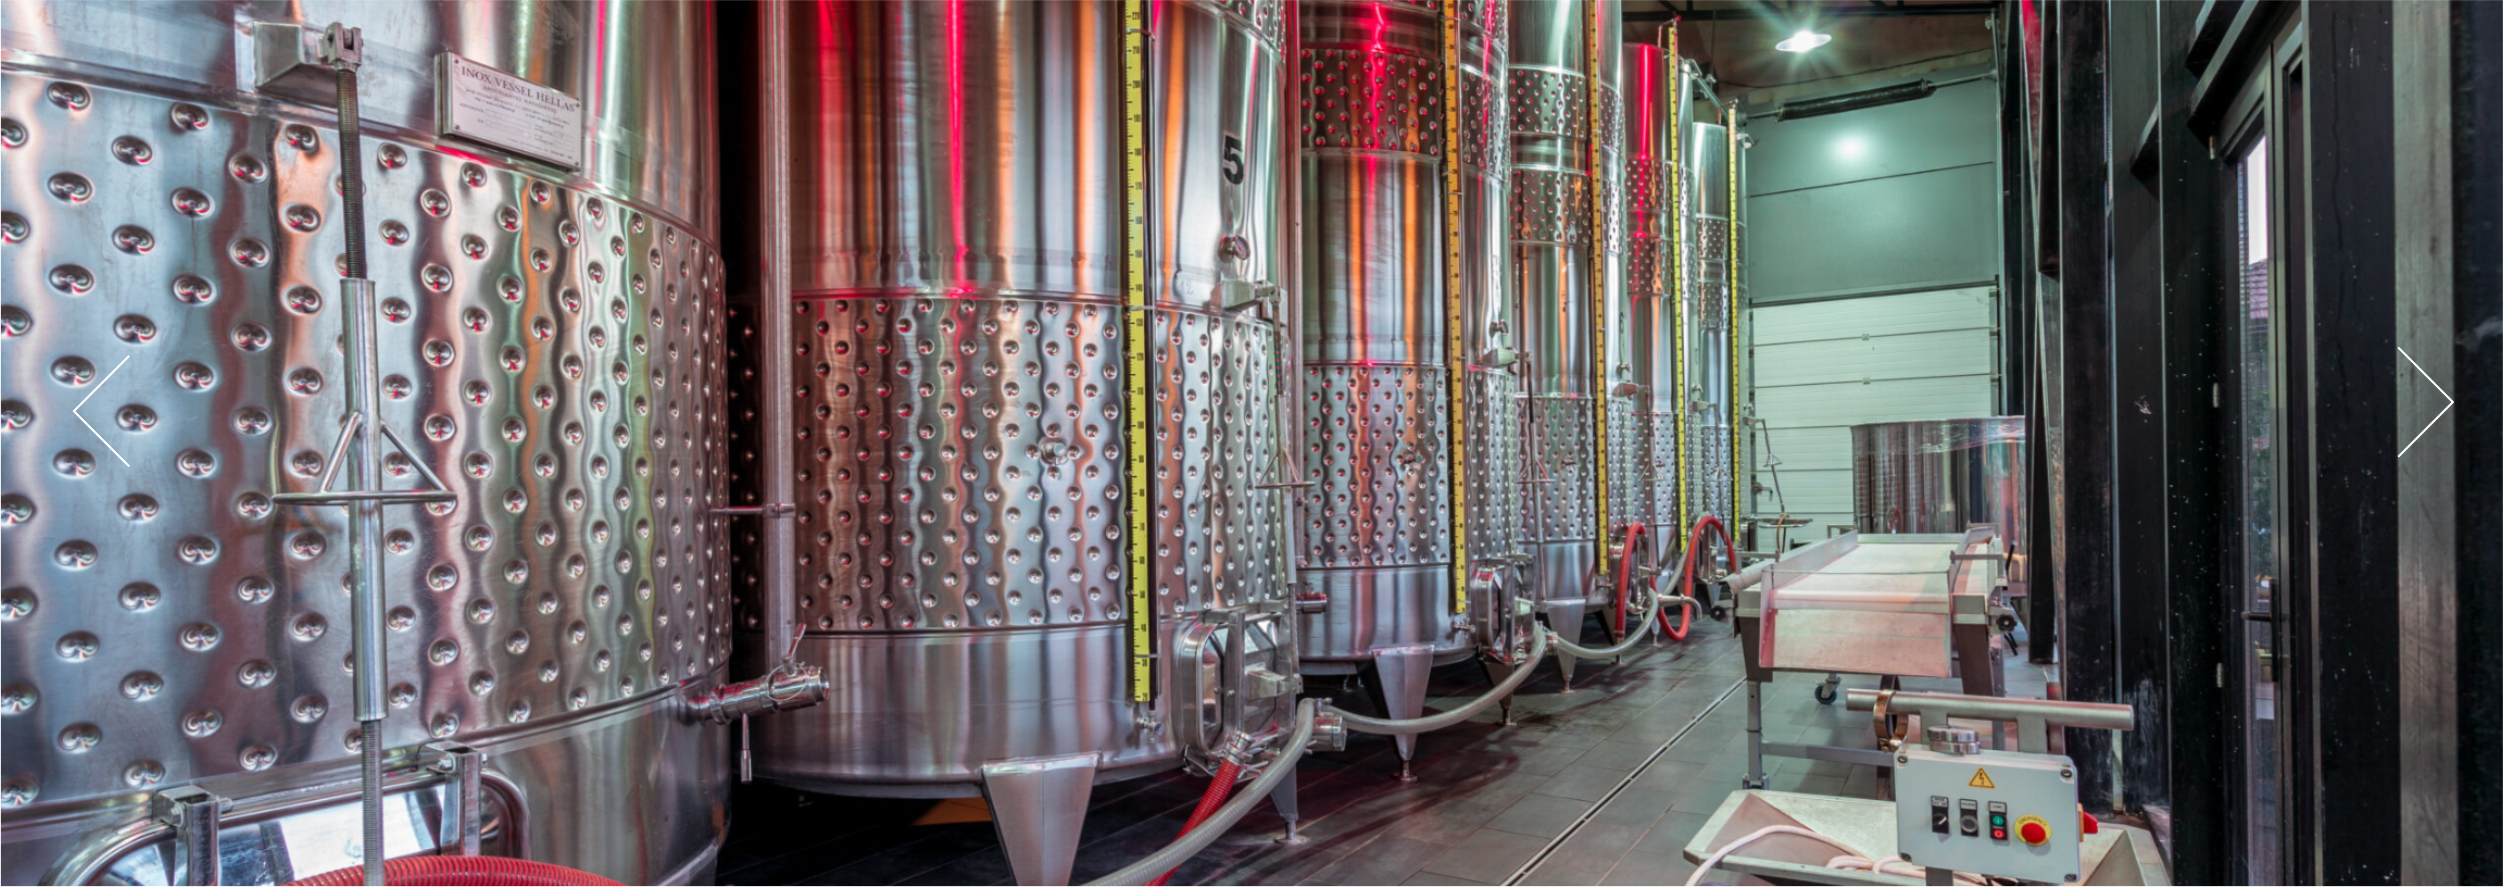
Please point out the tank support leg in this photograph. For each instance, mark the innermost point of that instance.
(1404, 673)
(1496, 671)
(1566, 618)
(1755, 736)
(191, 813)
(1283, 797)
(1037, 805)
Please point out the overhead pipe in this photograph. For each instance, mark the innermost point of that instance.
(1867, 98)
(1675, 13)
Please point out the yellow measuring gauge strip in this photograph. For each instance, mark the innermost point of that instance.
(1135, 347)
(1593, 182)
(1457, 449)
(1677, 406)
(1737, 426)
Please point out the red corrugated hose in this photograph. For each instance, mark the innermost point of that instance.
(462, 871)
(1218, 787)
(1625, 574)
(1694, 540)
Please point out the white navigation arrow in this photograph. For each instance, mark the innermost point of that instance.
(91, 395)
(2447, 403)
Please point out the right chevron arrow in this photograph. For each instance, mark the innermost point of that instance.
(2447, 403)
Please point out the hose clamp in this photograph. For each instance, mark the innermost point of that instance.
(1891, 730)
(1329, 731)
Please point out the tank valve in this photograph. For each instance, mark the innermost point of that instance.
(1261, 683)
(1329, 731)
(787, 688)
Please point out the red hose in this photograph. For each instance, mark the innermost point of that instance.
(1218, 787)
(1694, 540)
(1625, 572)
(462, 871)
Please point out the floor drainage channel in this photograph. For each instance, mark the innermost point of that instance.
(1602, 804)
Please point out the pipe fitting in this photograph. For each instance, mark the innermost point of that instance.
(786, 688)
(1329, 732)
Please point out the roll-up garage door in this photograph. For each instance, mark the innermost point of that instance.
(1819, 368)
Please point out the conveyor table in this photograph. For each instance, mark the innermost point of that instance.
(1890, 605)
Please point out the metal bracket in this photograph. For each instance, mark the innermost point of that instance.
(342, 47)
(338, 453)
(302, 62)
(358, 295)
(464, 806)
(1261, 301)
(192, 813)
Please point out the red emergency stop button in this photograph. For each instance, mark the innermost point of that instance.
(2033, 830)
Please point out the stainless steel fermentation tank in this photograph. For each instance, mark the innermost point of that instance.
(1645, 442)
(1678, 437)
(1559, 255)
(1940, 476)
(1377, 375)
(1712, 299)
(549, 349)
(959, 449)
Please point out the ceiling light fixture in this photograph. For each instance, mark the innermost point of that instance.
(1803, 41)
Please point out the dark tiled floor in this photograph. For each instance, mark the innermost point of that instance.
(1488, 799)
(1671, 800)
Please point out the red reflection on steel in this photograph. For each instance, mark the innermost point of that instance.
(956, 131)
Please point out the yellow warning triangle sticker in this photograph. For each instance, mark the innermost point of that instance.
(1981, 779)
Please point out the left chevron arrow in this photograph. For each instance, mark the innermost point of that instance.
(91, 428)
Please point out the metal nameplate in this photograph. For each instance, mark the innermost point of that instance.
(483, 104)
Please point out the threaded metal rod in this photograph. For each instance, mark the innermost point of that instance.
(369, 775)
(352, 171)
(365, 398)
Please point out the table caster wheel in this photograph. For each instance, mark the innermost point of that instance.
(1825, 694)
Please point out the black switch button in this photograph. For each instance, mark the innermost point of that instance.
(1971, 820)
(1938, 816)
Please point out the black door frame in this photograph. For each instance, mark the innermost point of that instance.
(2267, 105)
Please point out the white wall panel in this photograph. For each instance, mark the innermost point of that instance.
(1818, 368)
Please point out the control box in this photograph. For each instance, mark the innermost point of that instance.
(2004, 814)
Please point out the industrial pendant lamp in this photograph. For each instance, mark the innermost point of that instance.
(1803, 40)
